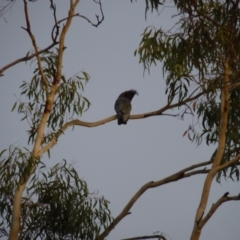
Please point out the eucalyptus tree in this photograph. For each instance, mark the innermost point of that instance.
(37, 202)
(200, 54)
(200, 57)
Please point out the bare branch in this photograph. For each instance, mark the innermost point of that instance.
(71, 13)
(77, 122)
(28, 29)
(168, 106)
(26, 58)
(5, 8)
(172, 178)
(159, 237)
(54, 8)
(56, 25)
(216, 205)
(229, 163)
(99, 20)
(203, 171)
(29, 57)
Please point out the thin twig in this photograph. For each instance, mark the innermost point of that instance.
(28, 29)
(99, 20)
(56, 25)
(26, 58)
(4, 9)
(54, 8)
(229, 163)
(212, 21)
(172, 178)
(215, 206)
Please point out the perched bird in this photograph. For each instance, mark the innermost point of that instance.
(123, 106)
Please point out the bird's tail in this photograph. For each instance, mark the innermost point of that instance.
(120, 118)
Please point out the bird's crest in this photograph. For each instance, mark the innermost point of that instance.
(129, 94)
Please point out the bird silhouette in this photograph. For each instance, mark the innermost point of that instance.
(123, 106)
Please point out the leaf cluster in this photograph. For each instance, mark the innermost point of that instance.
(193, 53)
(152, 5)
(57, 203)
(69, 101)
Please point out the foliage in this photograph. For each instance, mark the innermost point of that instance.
(36, 202)
(193, 54)
(152, 5)
(57, 203)
(68, 104)
(200, 56)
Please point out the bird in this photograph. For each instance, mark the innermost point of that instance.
(123, 106)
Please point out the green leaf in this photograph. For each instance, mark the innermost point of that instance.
(48, 152)
(23, 118)
(3, 151)
(14, 106)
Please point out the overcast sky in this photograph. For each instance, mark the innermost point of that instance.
(117, 160)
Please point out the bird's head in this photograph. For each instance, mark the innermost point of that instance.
(129, 94)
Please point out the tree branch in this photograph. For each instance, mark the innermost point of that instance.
(225, 106)
(26, 58)
(159, 237)
(4, 9)
(77, 122)
(33, 39)
(54, 8)
(229, 163)
(15, 226)
(216, 205)
(99, 21)
(57, 23)
(28, 29)
(172, 178)
(29, 57)
(212, 20)
(168, 106)
(71, 13)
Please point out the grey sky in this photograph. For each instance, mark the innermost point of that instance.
(117, 160)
